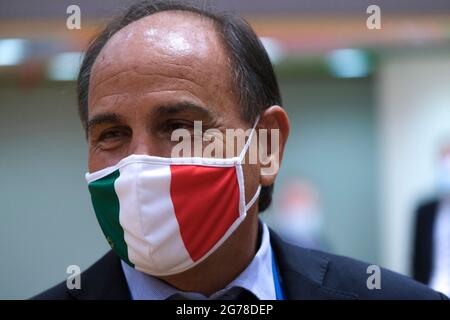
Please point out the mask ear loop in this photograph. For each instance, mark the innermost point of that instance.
(241, 158)
(255, 197)
(247, 144)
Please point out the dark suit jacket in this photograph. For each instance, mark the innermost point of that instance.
(423, 241)
(305, 274)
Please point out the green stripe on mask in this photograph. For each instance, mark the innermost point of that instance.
(107, 209)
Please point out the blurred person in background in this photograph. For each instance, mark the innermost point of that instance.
(298, 217)
(431, 257)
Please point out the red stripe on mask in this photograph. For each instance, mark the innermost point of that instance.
(206, 203)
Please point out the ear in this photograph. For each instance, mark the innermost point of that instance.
(272, 142)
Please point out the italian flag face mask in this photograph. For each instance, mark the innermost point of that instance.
(163, 216)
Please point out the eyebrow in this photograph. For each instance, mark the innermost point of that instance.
(163, 110)
(178, 107)
(104, 118)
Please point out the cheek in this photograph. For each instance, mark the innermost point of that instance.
(251, 180)
(99, 160)
(95, 163)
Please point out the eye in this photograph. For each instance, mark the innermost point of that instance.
(175, 125)
(113, 137)
(112, 134)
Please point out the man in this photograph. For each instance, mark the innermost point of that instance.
(431, 256)
(157, 69)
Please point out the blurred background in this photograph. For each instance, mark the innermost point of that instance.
(369, 108)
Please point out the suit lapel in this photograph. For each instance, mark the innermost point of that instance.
(103, 281)
(303, 272)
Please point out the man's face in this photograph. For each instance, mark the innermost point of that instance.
(156, 75)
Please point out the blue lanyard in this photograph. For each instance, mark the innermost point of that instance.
(276, 279)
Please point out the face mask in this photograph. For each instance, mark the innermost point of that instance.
(165, 215)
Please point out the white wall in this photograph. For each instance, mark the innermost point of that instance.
(414, 115)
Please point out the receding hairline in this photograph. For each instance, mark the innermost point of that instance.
(209, 20)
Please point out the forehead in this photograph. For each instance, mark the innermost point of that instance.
(166, 40)
(167, 52)
(174, 33)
